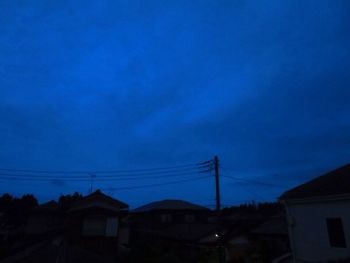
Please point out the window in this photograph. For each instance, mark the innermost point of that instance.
(94, 226)
(190, 218)
(112, 227)
(336, 232)
(166, 218)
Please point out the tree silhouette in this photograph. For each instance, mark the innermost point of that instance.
(15, 209)
(66, 201)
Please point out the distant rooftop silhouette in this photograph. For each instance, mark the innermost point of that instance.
(336, 182)
(99, 199)
(169, 204)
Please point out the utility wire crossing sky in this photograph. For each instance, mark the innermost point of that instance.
(186, 173)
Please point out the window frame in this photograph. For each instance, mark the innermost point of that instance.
(336, 232)
(166, 218)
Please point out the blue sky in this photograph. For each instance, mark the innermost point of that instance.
(103, 85)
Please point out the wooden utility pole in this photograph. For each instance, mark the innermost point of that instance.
(217, 183)
(218, 209)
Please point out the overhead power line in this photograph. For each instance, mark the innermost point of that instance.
(26, 177)
(252, 181)
(161, 184)
(151, 174)
(204, 164)
(187, 171)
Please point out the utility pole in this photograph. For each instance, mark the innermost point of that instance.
(218, 209)
(217, 183)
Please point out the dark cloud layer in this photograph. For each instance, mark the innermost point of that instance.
(107, 84)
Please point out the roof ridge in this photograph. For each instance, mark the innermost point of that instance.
(331, 183)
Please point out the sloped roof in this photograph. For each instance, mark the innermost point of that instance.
(336, 182)
(99, 199)
(169, 204)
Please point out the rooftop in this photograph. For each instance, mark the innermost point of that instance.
(169, 204)
(99, 199)
(336, 182)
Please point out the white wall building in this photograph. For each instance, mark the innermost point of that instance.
(319, 217)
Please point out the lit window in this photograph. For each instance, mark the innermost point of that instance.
(336, 232)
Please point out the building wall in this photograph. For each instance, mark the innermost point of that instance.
(309, 234)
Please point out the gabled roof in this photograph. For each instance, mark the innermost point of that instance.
(333, 183)
(169, 205)
(99, 199)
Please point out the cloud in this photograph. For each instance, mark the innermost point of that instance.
(112, 84)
